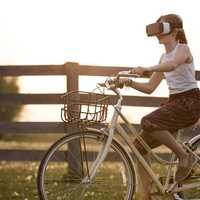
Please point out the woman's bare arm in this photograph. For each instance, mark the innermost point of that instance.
(151, 85)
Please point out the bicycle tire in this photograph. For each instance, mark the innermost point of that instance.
(192, 194)
(113, 181)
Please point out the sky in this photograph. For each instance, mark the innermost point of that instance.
(92, 32)
(103, 32)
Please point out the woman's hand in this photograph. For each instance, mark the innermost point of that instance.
(139, 70)
(120, 83)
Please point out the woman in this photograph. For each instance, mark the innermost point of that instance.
(183, 107)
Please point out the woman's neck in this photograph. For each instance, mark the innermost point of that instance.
(170, 46)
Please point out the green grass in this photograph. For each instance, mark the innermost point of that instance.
(18, 181)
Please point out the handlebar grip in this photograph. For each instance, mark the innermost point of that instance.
(119, 85)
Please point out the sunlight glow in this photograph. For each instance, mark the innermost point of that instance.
(89, 32)
(99, 32)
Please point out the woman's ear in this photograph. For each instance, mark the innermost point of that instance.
(174, 32)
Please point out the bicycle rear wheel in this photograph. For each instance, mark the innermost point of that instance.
(193, 179)
(62, 170)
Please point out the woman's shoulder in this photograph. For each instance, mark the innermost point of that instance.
(184, 49)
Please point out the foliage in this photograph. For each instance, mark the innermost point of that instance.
(9, 112)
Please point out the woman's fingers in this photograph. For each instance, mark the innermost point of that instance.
(138, 70)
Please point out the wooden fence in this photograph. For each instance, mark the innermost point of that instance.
(71, 71)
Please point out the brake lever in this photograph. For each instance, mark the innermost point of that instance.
(110, 83)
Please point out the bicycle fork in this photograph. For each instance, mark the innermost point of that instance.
(104, 149)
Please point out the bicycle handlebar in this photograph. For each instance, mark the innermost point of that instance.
(114, 83)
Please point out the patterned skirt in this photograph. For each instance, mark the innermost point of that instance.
(181, 110)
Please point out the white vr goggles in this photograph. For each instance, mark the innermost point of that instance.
(161, 28)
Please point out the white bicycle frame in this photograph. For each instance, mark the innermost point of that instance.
(114, 125)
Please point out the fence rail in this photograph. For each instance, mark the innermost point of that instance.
(56, 99)
(72, 71)
(42, 70)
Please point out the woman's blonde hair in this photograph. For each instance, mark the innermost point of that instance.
(175, 22)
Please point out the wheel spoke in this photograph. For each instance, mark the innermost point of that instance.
(58, 181)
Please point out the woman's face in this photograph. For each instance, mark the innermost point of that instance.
(164, 39)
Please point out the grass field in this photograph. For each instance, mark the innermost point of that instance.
(18, 179)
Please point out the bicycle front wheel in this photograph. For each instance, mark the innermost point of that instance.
(62, 171)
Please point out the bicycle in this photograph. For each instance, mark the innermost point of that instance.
(89, 171)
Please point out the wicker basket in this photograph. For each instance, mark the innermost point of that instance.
(84, 108)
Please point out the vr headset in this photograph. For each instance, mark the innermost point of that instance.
(162, 28)
(159, 28)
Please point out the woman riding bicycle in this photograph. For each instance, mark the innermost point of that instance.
(183, 107)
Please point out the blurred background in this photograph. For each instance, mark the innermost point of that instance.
(90, 32)
(109, 33)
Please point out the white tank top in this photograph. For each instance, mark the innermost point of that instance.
(182, 78)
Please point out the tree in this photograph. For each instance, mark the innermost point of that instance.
(9, 112)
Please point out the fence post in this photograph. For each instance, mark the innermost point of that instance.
(71, 70)
(74, 148)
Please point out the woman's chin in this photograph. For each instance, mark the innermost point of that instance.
(160, 42)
